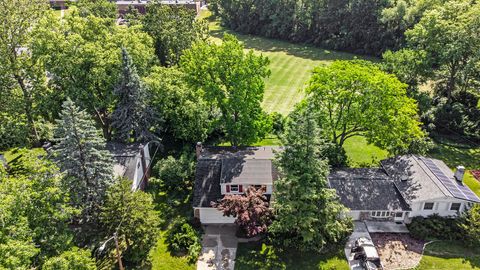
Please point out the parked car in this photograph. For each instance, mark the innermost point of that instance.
(365, 252)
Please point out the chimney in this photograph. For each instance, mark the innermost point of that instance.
(404, 177)
(198, 149)
(459, 173)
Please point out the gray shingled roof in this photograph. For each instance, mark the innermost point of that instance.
(366, 189)
(242, 165)
(248, 171)
(126, 156)
(207, 182)
(419, 182)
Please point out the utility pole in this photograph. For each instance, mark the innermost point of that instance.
(120, 265)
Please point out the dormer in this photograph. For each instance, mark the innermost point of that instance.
(238, 174)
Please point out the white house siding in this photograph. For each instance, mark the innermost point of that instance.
(440, 207)
(138, 174)
(224, 189)
(213, 216)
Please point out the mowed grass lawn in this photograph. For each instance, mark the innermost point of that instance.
(258, 256)
(447, 255)
(290, 65)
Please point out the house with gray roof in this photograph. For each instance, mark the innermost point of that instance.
(132, 161)
(400, 189)
(229, 170)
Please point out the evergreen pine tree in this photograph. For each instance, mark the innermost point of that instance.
(307, 210)
(81, 154)
(132, 116)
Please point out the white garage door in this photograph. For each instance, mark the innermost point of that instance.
(212, 215)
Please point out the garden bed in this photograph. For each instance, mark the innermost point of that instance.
(398, 251)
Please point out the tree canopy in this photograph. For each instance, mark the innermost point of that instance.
(83, 56)
(308, 215)
(23, 76)
(356, 98)
(132, 117)
(132, 216)
(444, 50)
(233, 81)
(251, 211)
(173, 29)
(81, 154)
(34, 209)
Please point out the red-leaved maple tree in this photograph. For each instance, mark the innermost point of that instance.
(251, 210)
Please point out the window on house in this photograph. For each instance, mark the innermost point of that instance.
(455, 206)
(233, 188)
(399, 214)
(380, 213)
(428, 206)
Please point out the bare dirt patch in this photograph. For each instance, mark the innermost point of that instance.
(398, 251)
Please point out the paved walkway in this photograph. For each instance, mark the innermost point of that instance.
(359, 230)
(386, 227)
(219, 247)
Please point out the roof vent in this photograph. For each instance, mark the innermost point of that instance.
(460, 173)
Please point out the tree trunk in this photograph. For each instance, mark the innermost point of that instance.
(28, 108)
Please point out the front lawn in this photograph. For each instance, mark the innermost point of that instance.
(449, 255)
(161, 258)
(362, 154)
(258, 256)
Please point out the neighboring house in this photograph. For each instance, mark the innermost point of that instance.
(229, 170)
(402, 188)
(132, 161)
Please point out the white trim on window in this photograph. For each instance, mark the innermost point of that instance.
(429, 209)
(459, 206)
(234, 188)
(380, 214)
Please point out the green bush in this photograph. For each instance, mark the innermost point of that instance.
(175, 175)
(74, 259)
(183, 239)
(436, 227)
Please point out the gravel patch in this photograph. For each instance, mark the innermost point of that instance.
(398, 251)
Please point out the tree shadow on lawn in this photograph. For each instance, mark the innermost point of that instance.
(300, 50)
(453, 152)
(260, 256)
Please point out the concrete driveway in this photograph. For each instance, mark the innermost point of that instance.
(359, 230)
(219, 248)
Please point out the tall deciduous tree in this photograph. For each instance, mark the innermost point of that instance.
(19, 70)
(132, 216)
(307, 212)
(132, 117)
(83, 57)
(81, 154)
(234, 81)
(448, 37)
(356, 98)
(251, 211)
(186, 115)
(174, 29)
(34, 211)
